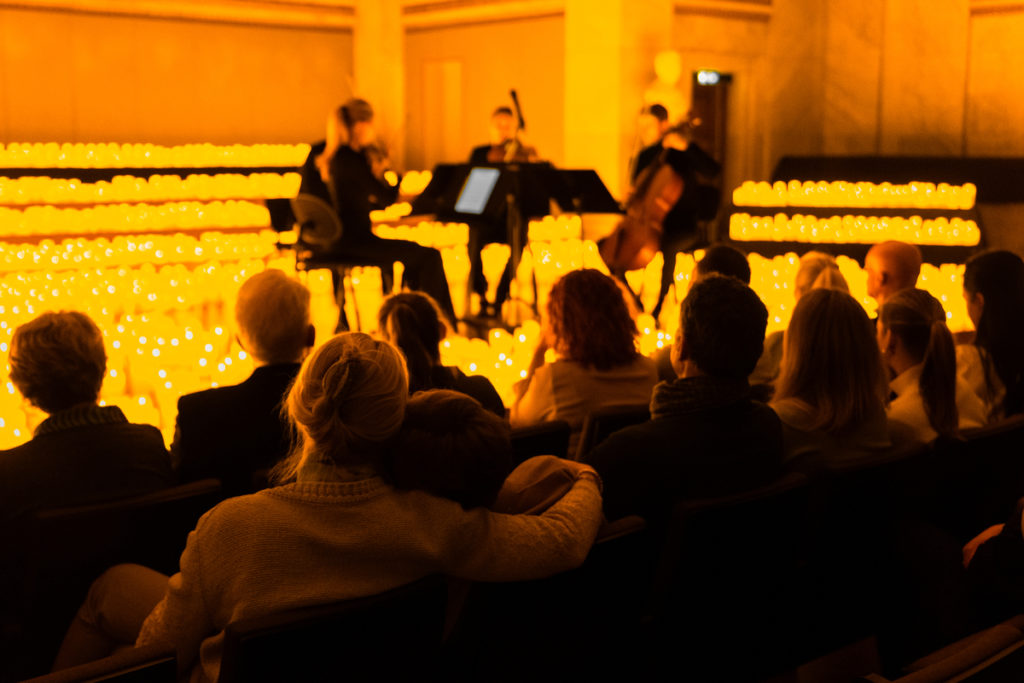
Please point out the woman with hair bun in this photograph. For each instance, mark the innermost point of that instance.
(589, 328)
(918, 350)
(413, 322)
(993, 366)
(339, 530)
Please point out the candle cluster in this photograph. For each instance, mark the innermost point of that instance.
(914, 195)
(773, 280)
(853, 229)
(129, 155)
(157, 188)
(132, 218)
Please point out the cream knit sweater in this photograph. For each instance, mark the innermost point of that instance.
(310, 543)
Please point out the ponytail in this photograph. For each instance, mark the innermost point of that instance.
(412, 321)
(919, 320)
(402, 329)
(938, 380)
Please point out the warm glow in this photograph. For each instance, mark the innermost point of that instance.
(915, 195)
(157, 188)
(853, 229)
(115, 155)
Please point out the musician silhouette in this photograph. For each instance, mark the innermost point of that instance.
(349, 167)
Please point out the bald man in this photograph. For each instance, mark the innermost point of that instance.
(891, 266)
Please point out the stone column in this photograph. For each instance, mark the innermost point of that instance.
(379, 68)
(609, 60)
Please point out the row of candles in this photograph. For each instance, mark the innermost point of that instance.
(854, 229)
(169, 330)
(841, 193)
(147, 155)
(123, 189)
(132, 218)
(156, 188)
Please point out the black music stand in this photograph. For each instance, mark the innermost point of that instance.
(522, 191)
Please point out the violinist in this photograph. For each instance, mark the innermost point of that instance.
(506, 146)
(350, 169)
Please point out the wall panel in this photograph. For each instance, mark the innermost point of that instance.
(527, 54)
(89, 77)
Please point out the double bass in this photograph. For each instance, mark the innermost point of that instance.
(513, 150)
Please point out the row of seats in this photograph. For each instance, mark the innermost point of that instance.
(786, 573)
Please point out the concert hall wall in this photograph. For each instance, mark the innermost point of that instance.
(71, 76)
(457, 75)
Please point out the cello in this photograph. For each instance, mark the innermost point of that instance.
(638, 236)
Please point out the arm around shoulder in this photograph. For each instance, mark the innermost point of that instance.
(490, 546)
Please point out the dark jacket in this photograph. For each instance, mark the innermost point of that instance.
(474, 386)
(82, 455)
(710, 441)
(230, 432)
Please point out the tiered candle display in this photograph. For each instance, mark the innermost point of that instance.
(164, 299)
(851, 228)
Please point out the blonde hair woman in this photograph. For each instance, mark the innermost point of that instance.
(340, 531)
(832, 389)
(817, 270)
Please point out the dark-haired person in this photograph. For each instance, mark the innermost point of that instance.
(82, 452)
(654, 124)
(503, 135)
(230, 432)
(718, 259)
(412, 322)
(927, 399)
(351, 168)
(993, 365)
(706, 436)
(452, 447)
(589, 328)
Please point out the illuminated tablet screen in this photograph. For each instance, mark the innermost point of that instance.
(477, 190)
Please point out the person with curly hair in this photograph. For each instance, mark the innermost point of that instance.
(597, 363)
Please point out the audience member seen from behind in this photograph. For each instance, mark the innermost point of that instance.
(338, 532)
(817, 270)
(917, 349)
(452, 447)
(82, 452)
(707, 437)
(589, 328)
(413, 322)
(720, 259)
(229, 433)
(891, 266)
(993, 366)
(832, 389)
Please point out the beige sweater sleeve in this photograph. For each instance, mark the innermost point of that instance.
(489, 546)
(181, 619)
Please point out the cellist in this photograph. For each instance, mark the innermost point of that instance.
(667, 193)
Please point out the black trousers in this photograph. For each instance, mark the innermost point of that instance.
(424, 270)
